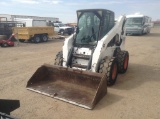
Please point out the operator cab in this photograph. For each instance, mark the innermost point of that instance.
(93, 24)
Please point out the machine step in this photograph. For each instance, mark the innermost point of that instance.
(81, 56)
(79, 66)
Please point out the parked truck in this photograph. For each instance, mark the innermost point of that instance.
(33, 34)
(63, 29)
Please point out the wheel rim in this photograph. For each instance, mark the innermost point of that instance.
(5, 45)
(126, 62)
(114, 71)
(37, 40)
(44, 38)
(62, 32)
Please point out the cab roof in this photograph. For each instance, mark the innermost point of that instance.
(91, 10)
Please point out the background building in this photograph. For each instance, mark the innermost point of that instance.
(8, 17)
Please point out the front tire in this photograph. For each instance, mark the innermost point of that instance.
(142, 32)
(62, 32)
(59, 59)
(4, 45)
(110, 68)
(21, 40)
(148, 31)
(123, 59)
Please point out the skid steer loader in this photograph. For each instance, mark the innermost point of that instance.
(90, 59)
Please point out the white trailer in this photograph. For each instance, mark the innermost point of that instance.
(32, 22)
(138, 24)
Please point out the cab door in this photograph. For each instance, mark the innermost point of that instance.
(56, 27)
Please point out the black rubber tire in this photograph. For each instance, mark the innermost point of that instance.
(5, 45)
(20, 40)
(148, 31)
(121, 57)
(69, 33)
(31, 40)
(62, 32)
(59, 59)
(107, 67)
(44, 38)
(142, 33)
(37, 39)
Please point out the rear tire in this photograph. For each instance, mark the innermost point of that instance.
(59, 59)
(110, 68)
(123, 59)
(44, 38)
(37, 39)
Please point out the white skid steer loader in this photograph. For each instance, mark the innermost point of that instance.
(90, 60)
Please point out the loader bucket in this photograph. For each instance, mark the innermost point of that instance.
(82, 88)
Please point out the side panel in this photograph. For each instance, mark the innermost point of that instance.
(147, 24)
(103, 49)
(28, 22)
(39, 23)
(56, 27)
(21, 33)
(68, 44)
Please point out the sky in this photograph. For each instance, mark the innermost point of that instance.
(65, 10)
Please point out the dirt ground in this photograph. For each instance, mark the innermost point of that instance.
(136, 94)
